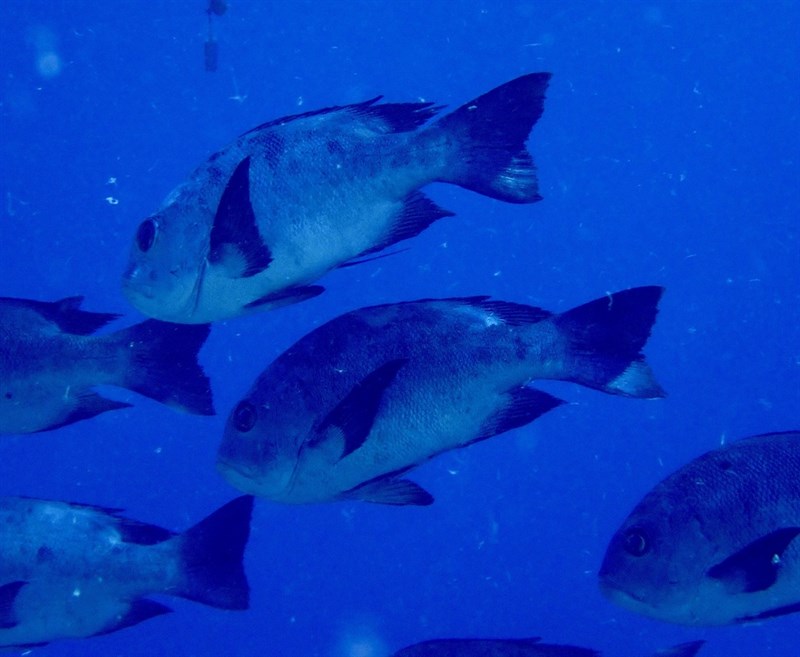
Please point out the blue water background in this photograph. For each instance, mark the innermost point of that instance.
(668, 154)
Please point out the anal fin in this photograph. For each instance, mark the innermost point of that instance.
(89, 405)
(139, 611)
(387, 490)
(523, 405)
(418, 212)
(287, 296)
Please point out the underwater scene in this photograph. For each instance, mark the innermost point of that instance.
(384, 328)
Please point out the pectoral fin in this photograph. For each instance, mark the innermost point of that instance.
(355, 414)
(755, 567)
(8, 595)
(236, 243)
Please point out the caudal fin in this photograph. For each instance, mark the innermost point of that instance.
(211, 557)
(606, 337)
(164, 367)
(489, 134)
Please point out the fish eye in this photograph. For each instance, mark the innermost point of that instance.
(244, 416)
(146, 235)
(636, 542)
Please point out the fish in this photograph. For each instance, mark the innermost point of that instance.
(72, 570)
(528, 647)
(256, 224)
(362, 399)
(716, 542)
(50, 361)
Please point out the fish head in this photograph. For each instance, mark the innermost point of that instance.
(257, 454)
(655, 563)
(167, 260)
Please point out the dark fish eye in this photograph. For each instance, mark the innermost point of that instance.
(244, 416)
(146, 235)
(636, 542)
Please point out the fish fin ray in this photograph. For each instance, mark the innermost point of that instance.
(755, 567)
(163, 364)
(491, 132)
(605, 339)
(234, 231)
(287, 296)
(273, 123)
(514, 314)
(355, 414)
(8, 596)
(388, 490)
(211, 556)
(523, 405)
(139, 611)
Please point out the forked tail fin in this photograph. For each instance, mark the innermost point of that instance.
(606, 338)
(488, 137)
(211, 557)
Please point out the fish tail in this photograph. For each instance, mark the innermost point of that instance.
(605, 339)
(211, 556)
(489, 133)
(163, 364)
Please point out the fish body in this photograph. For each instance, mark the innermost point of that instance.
(374, 392)
(520, 648)
(291, 199)
(717, 541)
(49, 362)
(73, 571)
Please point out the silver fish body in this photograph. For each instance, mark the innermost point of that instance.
(716, 542)
(374, 392)
(49, 362)
(291, 199)
(73, 571)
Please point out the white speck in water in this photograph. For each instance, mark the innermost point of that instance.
(111, 200)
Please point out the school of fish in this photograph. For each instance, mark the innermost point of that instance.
(355, 404)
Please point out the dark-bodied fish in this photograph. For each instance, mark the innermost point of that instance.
(717, 541)
(360, 400)
(520, 648)
(49, 362)
(291, 199)
(74, 571)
